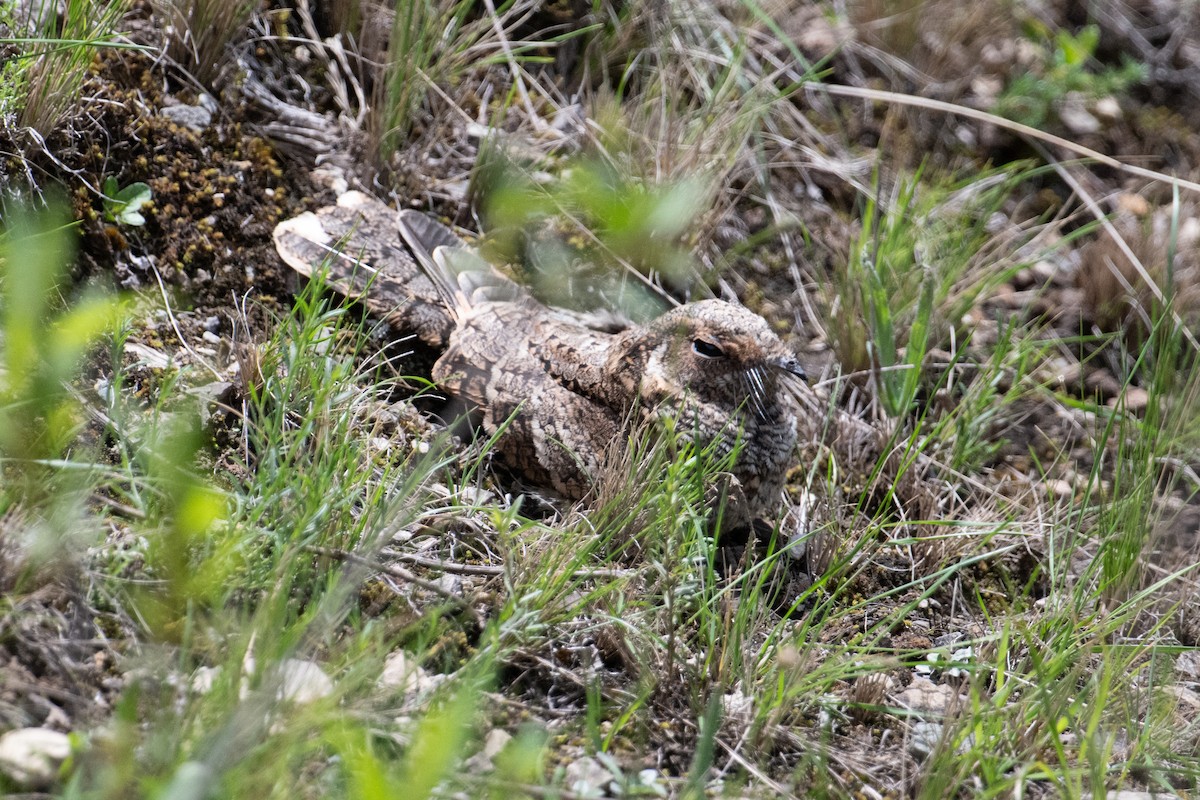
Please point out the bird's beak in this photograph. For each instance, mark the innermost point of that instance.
(790, 365)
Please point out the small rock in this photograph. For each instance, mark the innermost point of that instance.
(456, 191)
(56, 719)
(385, 421)
(450, 584)
(923, 738)
(194, 118)
(1133, 204)
(998, 54)
(104, 390)
(1104, 382)
(148, 356)
(30, 757)
(1074, 114)
(819, 36)
(471, 495)
(1135, 399)
(963, 655)
(737, 706)
(926, 696)
(484, 761)
(1060, 371)
(1107, 108)
(1188, 664)
(1027, 52)
(496, 741)
(303, 682)
(585, 776)
(215, 393)
(1189, 232)
(476, 130)
(212, 324)
(401, 672)
(204, 678)
(1060, 489)
(987, 88)
(650, 781)
(1044, 271)
(330, 177)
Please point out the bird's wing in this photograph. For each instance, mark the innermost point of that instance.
(578, 357)
(552, 436)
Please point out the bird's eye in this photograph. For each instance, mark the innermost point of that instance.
(706, 348)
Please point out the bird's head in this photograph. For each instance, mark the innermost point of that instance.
(718, 353)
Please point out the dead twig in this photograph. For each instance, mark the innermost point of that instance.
(495, 570)
(396, 572)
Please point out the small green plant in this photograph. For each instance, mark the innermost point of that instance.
(43, 344)
(593, 236)
(44, 476)
(238, 583)
(1033, 96)
(123, 206)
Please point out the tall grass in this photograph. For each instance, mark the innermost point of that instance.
(254, 582)
(923, 258)
(42, 80)
(433, 47)
(200, 31)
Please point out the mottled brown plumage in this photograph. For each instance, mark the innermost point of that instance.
(567, 391)
(365, 259)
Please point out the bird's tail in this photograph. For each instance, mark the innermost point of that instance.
(353, 246)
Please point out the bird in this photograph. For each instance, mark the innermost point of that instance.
(555, 390)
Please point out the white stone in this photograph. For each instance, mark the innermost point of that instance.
(31, 757)
(923, 738)
(1188, 664)
(195, 118)
(1189, 232)
(484, 761)
(1072, 110)
(204, 678)
(737, 705)
(1107, 108)
(963, 655)
(303, 681)
(586, 777)
(331, 177)
(401, 672)
(925, 696)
